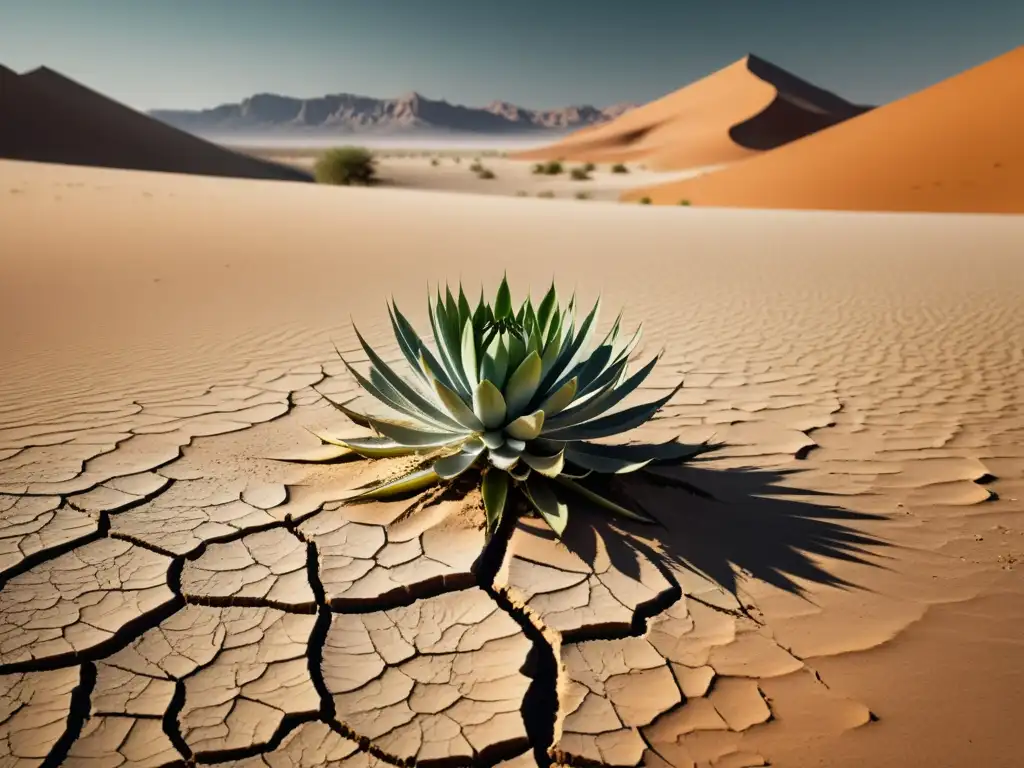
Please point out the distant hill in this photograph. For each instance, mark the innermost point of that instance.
(954, 147)
(46, 117)
(741, 110)
(350, 113)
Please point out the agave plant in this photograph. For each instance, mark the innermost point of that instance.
(517, 396)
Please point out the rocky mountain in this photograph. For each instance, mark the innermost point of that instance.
(350, 113)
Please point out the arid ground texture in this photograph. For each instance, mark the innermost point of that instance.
(839, 585)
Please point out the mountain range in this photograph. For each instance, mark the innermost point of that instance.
(350, 113)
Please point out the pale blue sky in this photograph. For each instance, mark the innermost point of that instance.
(539, 53)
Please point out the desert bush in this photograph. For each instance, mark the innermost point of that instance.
(538, 168)
(516, 401)
(521, 193)
(589, 167)
(486, 173)
(476, 166)
(553, 168)
(645, 201)
(434, 161)
(547, 194)
(346, 166)
(684, 202)
(579, 174)
(620, 168)
(582, 195)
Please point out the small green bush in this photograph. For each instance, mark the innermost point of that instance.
(538, 168)
(589, 167)
(346, 166)
(554, 168)
(476, 167)
(684, 202)
(619, 168)
(547, 194)
(579, 174)
(486, 173)
(645, 201)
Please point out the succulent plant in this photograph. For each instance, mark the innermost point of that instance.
(518, 396)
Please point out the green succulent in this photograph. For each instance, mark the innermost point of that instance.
(520, 396)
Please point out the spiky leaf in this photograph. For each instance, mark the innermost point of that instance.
(522, 384)
(544, 500)
(494, 490)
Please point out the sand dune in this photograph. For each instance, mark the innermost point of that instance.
(741, 110)
(849, 596)
(955, 146)
(49, 118)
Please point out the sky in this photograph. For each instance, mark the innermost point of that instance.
(192, 54)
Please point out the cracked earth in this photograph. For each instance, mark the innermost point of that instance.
(171, 593)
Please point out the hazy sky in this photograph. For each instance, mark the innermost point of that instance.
(539, 53)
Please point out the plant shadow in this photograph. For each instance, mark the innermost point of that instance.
(724, 523)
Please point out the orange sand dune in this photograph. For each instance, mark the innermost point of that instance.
(954, 147)
(745, 108)
(45, 117)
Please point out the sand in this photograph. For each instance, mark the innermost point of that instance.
(852, 595)
(451, 170)
(953, 147)
(48, 117)
(737, 112)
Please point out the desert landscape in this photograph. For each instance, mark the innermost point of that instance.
(187, 576)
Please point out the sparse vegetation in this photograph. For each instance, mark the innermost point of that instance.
(684, 202)
(582, 195)
(589, 167)
(579, 174)
(346, 166)
(517, 401)
(486, 173)
(547, 194)
(521, 193)
(476, 167)
(553, 168)
(620, 168)
(434, 161)
(645, 201)
(538, 168)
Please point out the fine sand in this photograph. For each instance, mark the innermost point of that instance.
(455, 170)
(953, 147)
(47, 117)
(846, 590)
(742, 110)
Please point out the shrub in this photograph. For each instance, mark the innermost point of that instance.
(521, 193)
(346, 166)
(579, 174)
(684, 202)
(589, 167)
(645, 201)
(582, 195)
(539, 168)
(486, 173)
(433, 161)
(547, 194)
(619, 168)
(518, 402)
(476, 167)
(553, 168)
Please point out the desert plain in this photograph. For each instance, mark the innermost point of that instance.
(841, 585)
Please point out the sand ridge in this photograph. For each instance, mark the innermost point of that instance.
(50, 118)
(155, 599)
(741, 110)
(953, 147)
